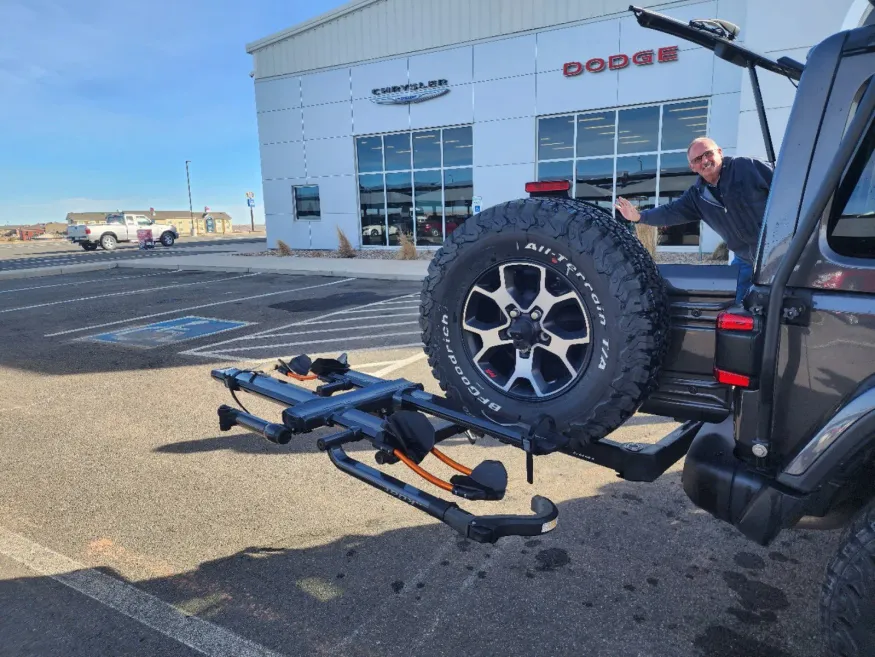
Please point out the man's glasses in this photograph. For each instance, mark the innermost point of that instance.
(698, 160)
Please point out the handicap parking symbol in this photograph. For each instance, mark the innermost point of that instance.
(168, 332)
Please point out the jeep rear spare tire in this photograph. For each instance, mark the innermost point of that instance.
(546, 307)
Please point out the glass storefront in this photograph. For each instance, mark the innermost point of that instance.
(638, 153)
(419, 183)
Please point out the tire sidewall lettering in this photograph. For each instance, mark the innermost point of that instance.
(552, 256)
(444, 316)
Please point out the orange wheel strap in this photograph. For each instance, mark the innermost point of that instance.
(292, 375)
(422, 473)
(450, 462)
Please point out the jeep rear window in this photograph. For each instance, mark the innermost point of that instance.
(852, 227)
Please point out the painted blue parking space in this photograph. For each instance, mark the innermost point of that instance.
(168, 332)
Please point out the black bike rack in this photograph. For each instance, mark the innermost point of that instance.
(393, 416)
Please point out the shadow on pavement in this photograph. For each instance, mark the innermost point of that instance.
(635, 569)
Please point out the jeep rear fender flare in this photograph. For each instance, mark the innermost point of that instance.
(848, 433)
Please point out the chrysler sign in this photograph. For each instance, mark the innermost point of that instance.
(410, 93)
(616, 62)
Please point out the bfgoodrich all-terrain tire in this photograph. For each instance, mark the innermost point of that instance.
(847, 603)
(546, 307)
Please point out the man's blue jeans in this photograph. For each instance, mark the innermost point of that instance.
(745, 278)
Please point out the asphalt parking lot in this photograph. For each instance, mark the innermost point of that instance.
(129, 524)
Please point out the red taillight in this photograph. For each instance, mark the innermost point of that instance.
(732, 322)
(731, 378)
(88, 231)
(548, 186)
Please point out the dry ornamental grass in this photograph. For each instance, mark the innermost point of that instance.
(407, 250)
(647, 235)
(344, 248)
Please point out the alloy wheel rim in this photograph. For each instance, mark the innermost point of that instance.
(527, 330)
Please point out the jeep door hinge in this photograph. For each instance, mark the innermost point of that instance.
(797, 309)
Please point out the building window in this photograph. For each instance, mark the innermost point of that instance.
(306, 201)
(639, 153)
(420, 183)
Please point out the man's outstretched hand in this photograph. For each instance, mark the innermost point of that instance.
(629, 211)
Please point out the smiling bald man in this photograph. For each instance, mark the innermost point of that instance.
(730, 195)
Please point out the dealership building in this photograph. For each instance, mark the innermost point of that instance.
(385, 117)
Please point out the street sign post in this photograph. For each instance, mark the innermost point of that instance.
(250, 201)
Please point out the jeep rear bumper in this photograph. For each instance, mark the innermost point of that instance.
(717, 481)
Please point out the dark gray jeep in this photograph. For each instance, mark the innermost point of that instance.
(548, 325)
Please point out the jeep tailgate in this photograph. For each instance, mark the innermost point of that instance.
(687, 387)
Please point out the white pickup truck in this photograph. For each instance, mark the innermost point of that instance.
(121, 227)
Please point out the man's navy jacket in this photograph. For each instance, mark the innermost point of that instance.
(744, 185)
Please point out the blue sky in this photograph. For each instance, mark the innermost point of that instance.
(104, 101)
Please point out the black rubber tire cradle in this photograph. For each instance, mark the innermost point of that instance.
(611, 272)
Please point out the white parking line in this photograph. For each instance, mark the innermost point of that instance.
(303, 322)
(370, 310)
(205, 305)
(93, 280)
(322, 331)
(319, 354)
(335, 321)
(348, 338)
(123, 294)
(398, 365)
(146, 609)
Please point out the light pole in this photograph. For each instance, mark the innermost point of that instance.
(190, 210)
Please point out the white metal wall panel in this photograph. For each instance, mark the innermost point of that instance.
(504, 58)
(456, 66)
(453, 108)
(330, 157)
(499, 184)
(558, 94)
(821, 19)
(325, 87)
(504, 142)
(689, 76)
(727, 77)
(507, 98)
(282, 125)
(369, 118)
(278, 94)
(395, 27)
(283, 160)
(723, 119)
(579, 43)
(378, 74)
(278, 195)
(324, 121)
(283, 227)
